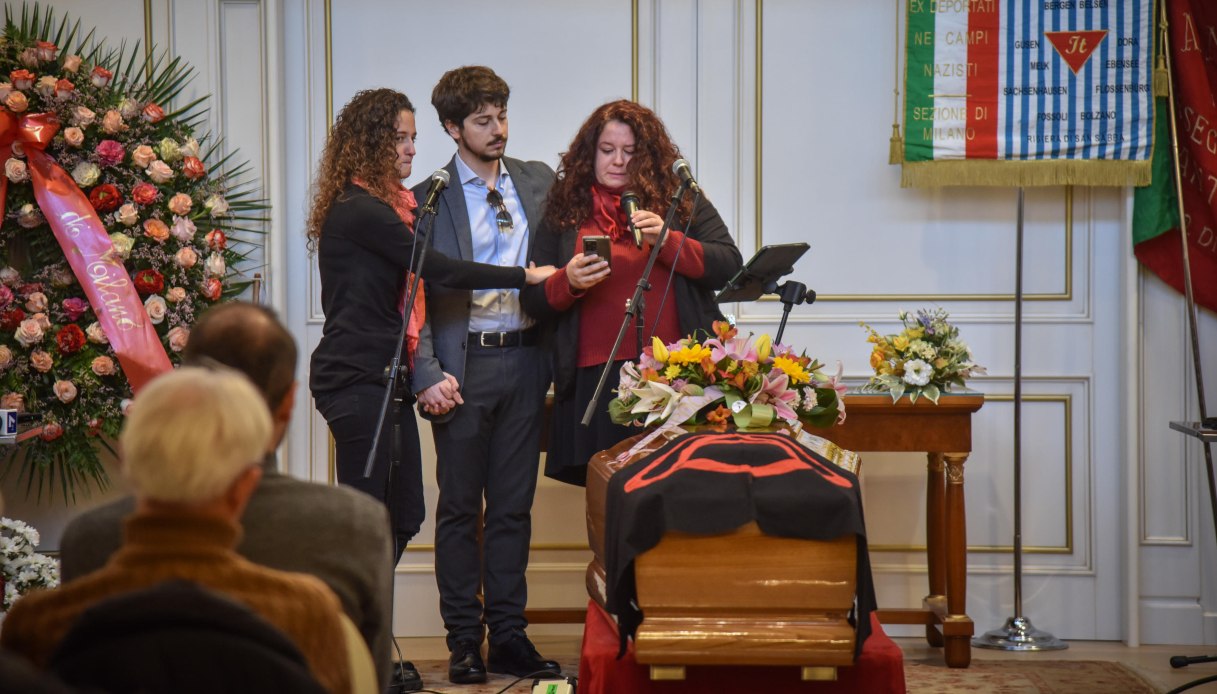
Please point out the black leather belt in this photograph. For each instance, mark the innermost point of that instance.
(493, 340)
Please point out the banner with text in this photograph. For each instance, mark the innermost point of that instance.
(1028, 92)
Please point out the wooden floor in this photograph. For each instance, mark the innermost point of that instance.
(1151, 662)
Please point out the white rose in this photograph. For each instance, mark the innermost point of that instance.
(217, 205)
(183, 229)
(95, 334)
(65, 391)
(129, 108)
(215, 265)
(36, 302)
(29, 333)
(29, 216)
(156, 308)
(83, 116)
(9, 275)
(46, 85)
(190, 148)
(122, 244)
(178, 337)
(86, 174)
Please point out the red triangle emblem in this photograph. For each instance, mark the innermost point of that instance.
(1076, 47)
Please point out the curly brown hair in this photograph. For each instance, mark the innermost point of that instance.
(360, 145)
(650, 169)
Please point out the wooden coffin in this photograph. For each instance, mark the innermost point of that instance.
(743, 598)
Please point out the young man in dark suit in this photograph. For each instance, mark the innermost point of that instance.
(481, 378)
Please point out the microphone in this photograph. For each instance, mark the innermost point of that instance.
(439, 181)
(1178, 661)
(681, 168)
(629, 205)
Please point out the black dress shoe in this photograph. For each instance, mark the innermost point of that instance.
(465, 664)
(518, 657)
(405, 678)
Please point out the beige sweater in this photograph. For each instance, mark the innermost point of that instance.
(164, 546)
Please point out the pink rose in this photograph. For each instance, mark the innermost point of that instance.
(178, 337)
(16, 171)
(180, 204)
(96, 335)
(156, 308)
(6, 88)
(75, 307)
(28, 57)
(144, 193)
(16, 102)
(159, 172)
(6, 296)
(112, 123)
(41, 319)
(35, 302)
(110, 152)
(175, 295)
(29, 333)
(186, 257)
(82, 116)
(42, 361)
(103, 366)
(142, 156)
(71, 63)
(65, 391)
(62, 276)
(183, 229)
(12, 401)
(156, 230)
(73, 136)
(6, 358)
(127, 215)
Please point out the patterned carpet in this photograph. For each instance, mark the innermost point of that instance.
(989, 677)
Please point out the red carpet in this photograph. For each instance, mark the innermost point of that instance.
(880, 669)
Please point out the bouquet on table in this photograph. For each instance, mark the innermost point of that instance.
(21, 568)
(926, 358)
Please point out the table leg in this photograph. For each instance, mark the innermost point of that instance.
(957, 626)
(935, 538)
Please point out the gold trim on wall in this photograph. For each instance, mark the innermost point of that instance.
(148, 38)
(1067, 400)
(1066, 295)
(634, 40)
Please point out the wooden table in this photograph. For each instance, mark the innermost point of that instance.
(944, 433)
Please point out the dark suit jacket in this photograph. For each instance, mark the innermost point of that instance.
(442, 345)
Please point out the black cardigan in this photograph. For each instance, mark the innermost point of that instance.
(362, 255)
(695, 305)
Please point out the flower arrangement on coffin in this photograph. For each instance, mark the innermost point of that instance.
(726, 379)
(926, 358)
(115, 236)
(21, 568)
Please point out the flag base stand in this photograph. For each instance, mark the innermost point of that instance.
(1019, 635)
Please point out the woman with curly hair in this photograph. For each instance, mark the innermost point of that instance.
(361, 228)
(622, 146)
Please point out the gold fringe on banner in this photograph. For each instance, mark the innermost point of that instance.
(1051, 172)
(1161, 82)
(895, 153)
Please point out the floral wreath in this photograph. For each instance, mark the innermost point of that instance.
(115, 236)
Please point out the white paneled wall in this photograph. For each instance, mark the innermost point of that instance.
(784, 108)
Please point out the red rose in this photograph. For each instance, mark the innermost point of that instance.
(144, 193)
(216, 240)
(21, 79)
(149, 282)
(9, 320)
(153, 113)
(105, 198)
(212, 289)
(51, 431)
(70, 339)
(94, 427)
(193, 169)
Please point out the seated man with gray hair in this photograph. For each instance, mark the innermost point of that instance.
(191, 449)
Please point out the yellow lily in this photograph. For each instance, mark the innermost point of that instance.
(763, 346)
(658, 349)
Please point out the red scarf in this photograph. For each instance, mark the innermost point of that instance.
(607, 213)
(404, 205)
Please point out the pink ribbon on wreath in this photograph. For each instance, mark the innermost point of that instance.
(87, 247)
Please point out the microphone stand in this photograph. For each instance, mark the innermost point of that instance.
(395, 386)
(633, 306)
(791, 294)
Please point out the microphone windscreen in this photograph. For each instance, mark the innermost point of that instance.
(441, 175)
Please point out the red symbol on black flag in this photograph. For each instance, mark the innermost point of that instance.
(1076, 47)
(779, 454)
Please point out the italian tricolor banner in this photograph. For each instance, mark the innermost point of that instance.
(1156, 221)
(1025, 93)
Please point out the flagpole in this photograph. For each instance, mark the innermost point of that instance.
(1018, 634)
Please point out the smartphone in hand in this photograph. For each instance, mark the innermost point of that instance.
(600, 246)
